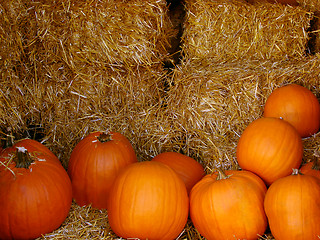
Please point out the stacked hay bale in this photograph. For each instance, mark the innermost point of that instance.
(72, 67)
(234, 55)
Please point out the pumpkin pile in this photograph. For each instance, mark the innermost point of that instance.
(154, 199)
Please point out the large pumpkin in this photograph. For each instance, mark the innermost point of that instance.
(186, 167)
(270, 148)
(148, 201)
(229, 206)
(35, 193)
(292, 205)
(297, 105)
(94, 163)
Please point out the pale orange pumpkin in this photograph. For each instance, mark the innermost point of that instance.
(292, 205)
(94, 163)
(148, 201)
(297, 105)
(186, 167)
(229, 206)
(270, 148)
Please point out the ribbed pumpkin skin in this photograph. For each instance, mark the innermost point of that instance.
(93, 166)
(148, 201)
(297, 105)
(34, 201)
(270, 148)
(292, 205)
(186, 167)
(229, 208)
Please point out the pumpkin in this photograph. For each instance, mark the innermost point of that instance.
(35, 193)
(292, 205)
(94, 163)
(186, 167)
(312, 168)
(297, 105)
(148, 201)
(229, 205)
(270, 148)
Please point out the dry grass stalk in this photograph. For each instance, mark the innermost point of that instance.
(83, 223)
(236, 30)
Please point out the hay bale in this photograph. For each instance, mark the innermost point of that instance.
(104, 33)
(211, 104)
(236, 30)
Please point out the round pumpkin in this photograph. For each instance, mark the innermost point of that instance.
(94, 163)
(186, 167)
(35, 193)
(270, 148)
(148, 201)
(229, 205)
(292, 205)
(297, 105)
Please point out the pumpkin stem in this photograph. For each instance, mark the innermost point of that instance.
(296, 171)
(22, 158)
(221, 174)
(104, 137)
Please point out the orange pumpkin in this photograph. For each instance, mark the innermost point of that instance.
(148, 201)
(35, 193)
(270, 148)
(186, 167)
(297, 105)
(292, 205)
(229, 205)
(94, 163)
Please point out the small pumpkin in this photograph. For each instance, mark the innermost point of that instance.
(94, 163)
(297, 105)
(292, 205)
(229, 205)
(312, 168)
(270, 148)
(35, 193)
(186, 167)
(148, 201)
